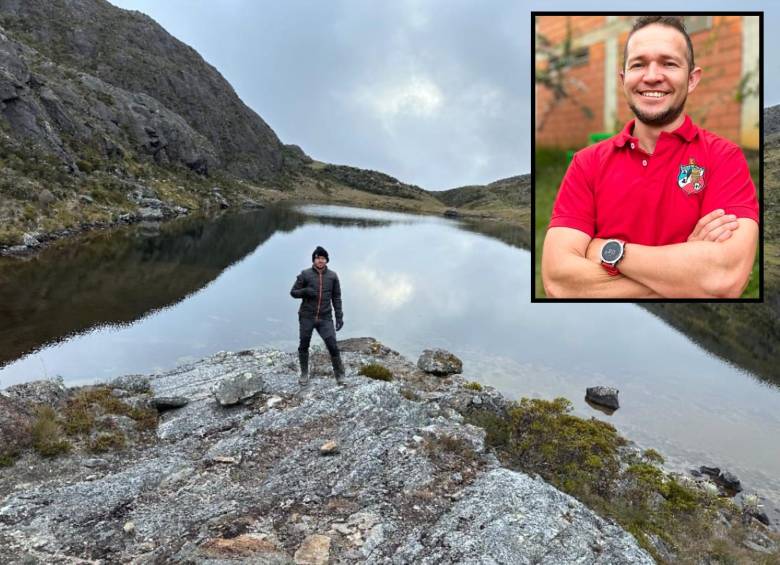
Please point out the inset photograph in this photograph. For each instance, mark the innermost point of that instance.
(647, 157)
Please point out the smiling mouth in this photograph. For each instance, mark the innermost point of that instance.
(653, 94)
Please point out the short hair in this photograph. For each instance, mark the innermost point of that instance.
(675, 22)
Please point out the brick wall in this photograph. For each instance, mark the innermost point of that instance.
(713, 105)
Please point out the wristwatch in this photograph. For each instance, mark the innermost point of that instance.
(611, 252)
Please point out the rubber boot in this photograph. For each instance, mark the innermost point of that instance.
(303, 359)
(338, 368)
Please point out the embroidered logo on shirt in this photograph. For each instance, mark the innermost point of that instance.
(691, 177)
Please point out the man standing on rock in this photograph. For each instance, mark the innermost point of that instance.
(318, 287)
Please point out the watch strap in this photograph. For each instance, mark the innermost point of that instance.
(612, 271)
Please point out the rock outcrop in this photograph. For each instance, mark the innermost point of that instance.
(99, 104)
(404, 480)
(439, 362)
(512, 191)
(79, 70)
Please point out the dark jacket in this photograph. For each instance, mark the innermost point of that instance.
(318, 290)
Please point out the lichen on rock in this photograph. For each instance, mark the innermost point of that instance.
(409, 481)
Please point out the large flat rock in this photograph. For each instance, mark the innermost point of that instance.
(409, 482)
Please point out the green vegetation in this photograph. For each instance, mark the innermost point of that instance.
(28, 172)
(47, 433)
(79, 417)
(105, 98)
(50, 431)
(376, 371)
(551, 166)
(473, 386)
(588, 459)
(107, 441)
(8, 457)
(81, 411)
(449, 452)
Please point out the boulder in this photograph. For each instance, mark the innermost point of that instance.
(238, 388)
(132, 383)
(50, 392)
(46, 198)
(603, 396)
(14, 425)
(727, 482)
(30, 240)
(759, 515)
(150, 214)
(730, 482)
(164, 403)
(710, 471)
(439, 362)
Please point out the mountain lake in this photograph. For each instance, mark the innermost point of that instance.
(144, 298)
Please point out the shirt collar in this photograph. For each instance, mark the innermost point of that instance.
(687, 131)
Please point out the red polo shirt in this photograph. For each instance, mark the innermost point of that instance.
(614, 189)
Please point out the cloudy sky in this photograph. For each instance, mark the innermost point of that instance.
(434, 92)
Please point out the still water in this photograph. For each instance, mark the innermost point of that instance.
(140, 300)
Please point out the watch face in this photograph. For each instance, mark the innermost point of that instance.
(611, 252)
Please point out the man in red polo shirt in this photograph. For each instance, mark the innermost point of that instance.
(664, 209)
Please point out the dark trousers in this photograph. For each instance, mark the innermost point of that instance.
(326, 330)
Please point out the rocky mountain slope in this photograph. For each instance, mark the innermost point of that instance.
(104, 115)
(116, 79)
(381, 472)
(512, 191)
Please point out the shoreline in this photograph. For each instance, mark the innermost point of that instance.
(42, 240)
(419, 425)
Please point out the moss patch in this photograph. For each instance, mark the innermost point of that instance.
(376, 371)
(107, 441)
(473, 386)
(81, 411)
(588, 459)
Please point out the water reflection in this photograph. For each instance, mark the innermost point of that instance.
(118, 277)
(413, 283)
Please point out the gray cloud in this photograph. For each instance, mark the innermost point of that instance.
(436, 93)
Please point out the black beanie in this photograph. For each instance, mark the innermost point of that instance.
(320, 252)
